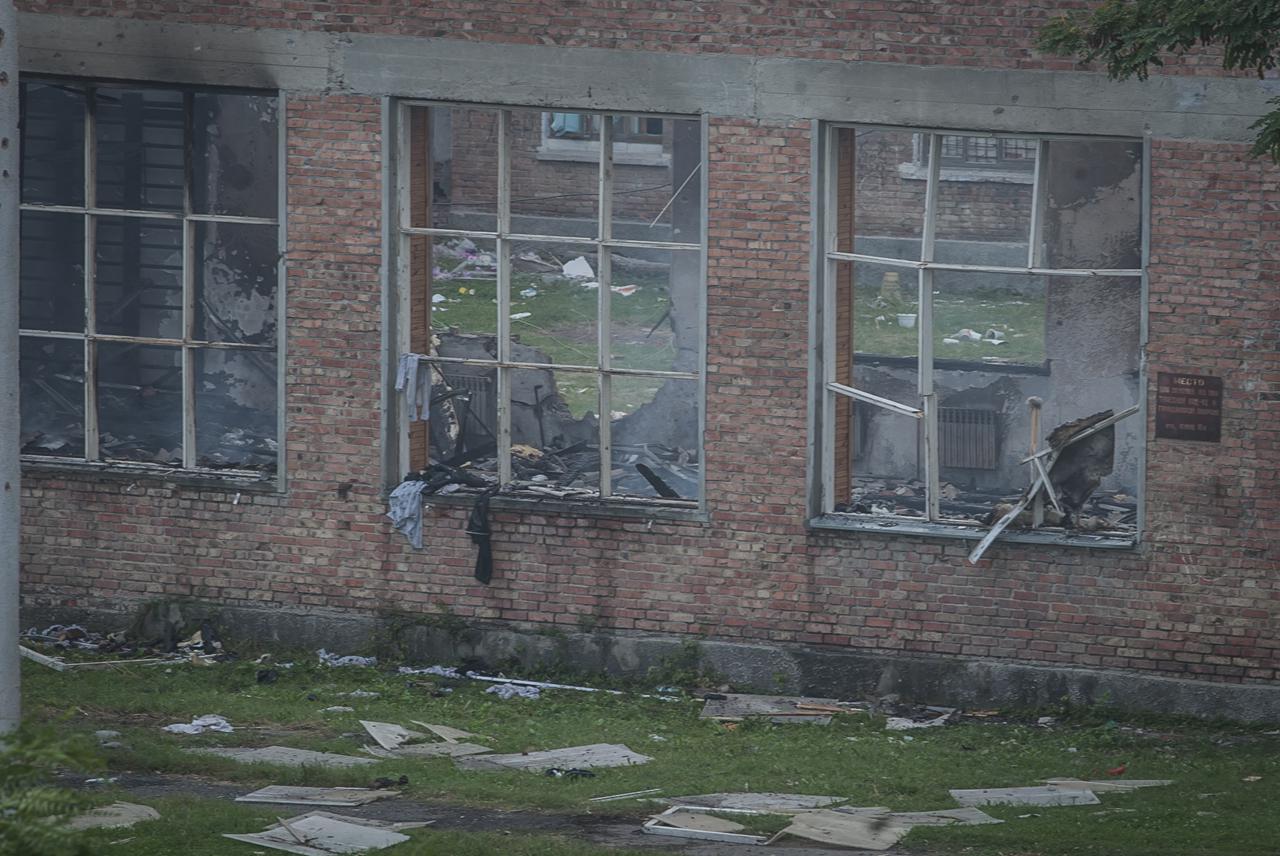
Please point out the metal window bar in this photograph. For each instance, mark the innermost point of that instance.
(189, 343)
(504, 239)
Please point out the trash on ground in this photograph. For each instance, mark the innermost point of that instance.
(396, 741)
(361, 694)
(1046, 795)
(735, 707)
(694, 823)
(627, 796)
(968, 816)
(507, 691)
(594, 755)
(114, 816)
(578, 268)
(1103, 787)
(571, 773)
(201, 724)
(338, 708)
(350, 660)
(864, 831)
(428, 750)
(290, 795)
(58, 664)
(321, 833)
(902, 723)
(765, 803)
(445, 733)
(283, 756)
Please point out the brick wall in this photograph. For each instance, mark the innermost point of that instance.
(1198, 601)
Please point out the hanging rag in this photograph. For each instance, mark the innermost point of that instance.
(414, 382)
(405, 510)
(481, 533)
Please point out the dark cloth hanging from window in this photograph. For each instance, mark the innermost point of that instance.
(481, 532)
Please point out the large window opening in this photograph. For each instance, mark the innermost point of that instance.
(554, 308)
(975, 333)
(149, 276)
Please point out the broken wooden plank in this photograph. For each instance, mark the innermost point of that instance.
(572, 757)
(291, 795)
(627, 796)
(864, 831)
(1047, 795)
(58, 664)
(283, 756)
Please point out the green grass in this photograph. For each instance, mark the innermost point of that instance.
(1020, 317)
(1209, 809)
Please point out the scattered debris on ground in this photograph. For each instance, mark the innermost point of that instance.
(1044, 796)
(283, 756)
(844, 829)
(695, 823)
(291, 795)
(321, 833)
(573, 757)
(350, 660)
(737, 707)
(396, 741)
(115, 816)
(763, 802)
(201, 724)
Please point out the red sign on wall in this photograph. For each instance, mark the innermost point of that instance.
(1189, 407)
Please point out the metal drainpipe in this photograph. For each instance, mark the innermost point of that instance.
(10, 467)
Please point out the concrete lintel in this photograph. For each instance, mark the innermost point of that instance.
(123, 49)
(547, 76)
(1168, 106)
(1012, 100)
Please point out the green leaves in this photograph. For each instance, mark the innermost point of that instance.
(32, 812)
(1130, 36)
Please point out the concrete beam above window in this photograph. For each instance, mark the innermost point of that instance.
(1170, 106)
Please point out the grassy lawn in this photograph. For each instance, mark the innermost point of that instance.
(1019, 317)
(1209, 810)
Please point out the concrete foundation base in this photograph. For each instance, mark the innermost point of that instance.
(827, 672)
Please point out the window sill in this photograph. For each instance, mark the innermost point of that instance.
(918, 528)
(920, 172)
(228, 480)
(615, 507)
(589, 152)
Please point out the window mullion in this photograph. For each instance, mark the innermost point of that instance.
(604, 265)
(188, 293)
(90, 277)
(925, 311)
(830, 305)
(503, 250)
(1039, 201)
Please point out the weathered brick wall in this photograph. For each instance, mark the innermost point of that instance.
(1199, 600)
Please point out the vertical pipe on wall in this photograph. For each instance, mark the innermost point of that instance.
(10, 466)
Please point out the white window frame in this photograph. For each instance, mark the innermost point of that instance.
(917, 169)
(399, 233)
(588, 151)
(189, 344)
(827, 391)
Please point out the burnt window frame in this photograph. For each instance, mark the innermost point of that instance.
(189, 221)
(398, 287)
(826, 392)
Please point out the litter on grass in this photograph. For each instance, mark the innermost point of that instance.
(291, 795)
(1045, 796)
(1103, 787)
(736, 707)
(283, 756)
(968, 816)
(338, 708)
(694, 823)
(396, 741)
(428, 750)
(506, 691)
(902, 723)
(765, 803)
(114, 816)
(201, 724)
(578, 268)
(445, 733)
(843, 829)
(573, 757)
(350, 660)
(321, 834)
(627, 796)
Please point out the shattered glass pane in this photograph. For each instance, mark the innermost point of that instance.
(551, 193)
(657, 187)
(885, 216)
(461, 277)
(1093, 216)
(555, 429)
(463, 411)
(655, 437)
(52, 403)
(236, 282)
(986, 218)
(453, 172)
(235, 409)
(992, 318)
(234, 154)
(655, 310)
(140, 403)
(138, 287)
(140, 148)
(553, 314)
(52, 272)
(52, 144)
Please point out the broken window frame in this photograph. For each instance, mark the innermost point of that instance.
(827, 392)
(399, 234)
(189, 343)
